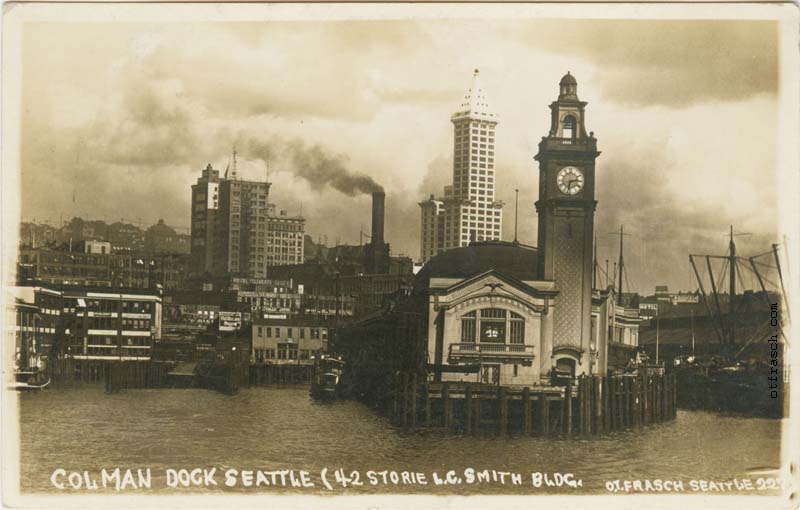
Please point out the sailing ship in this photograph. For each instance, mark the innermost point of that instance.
(736, 375)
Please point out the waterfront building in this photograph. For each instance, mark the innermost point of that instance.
(468, 211)
(289, 341)
(105, 325)
(90, 323)
(513, 314)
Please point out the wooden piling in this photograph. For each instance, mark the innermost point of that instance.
(468, 409)
(674, 395)
(594, 405)
(427, 405)
(604, 389)
(582, 418)
(544, 403)
(404, 419)
(645, 399)
(396, 398)
(568, 408)
(526, 409)
(636, 401)
(447, 405)
(414, 400)
(503, 410)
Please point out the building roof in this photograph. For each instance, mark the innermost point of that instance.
(510, 259)
(568, 79)
(475, 102)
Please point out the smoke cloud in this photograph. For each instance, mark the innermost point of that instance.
(315, 165)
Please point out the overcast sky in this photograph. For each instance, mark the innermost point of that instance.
(119, 119)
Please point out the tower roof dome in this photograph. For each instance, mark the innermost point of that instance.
(568, 79)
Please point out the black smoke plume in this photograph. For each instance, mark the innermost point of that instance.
(314, 165)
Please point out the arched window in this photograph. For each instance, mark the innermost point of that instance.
(566, 366)
(492, 325)
(568, 127)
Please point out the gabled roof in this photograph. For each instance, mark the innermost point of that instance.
(510, 280)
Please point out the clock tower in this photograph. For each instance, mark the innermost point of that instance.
(566, 226)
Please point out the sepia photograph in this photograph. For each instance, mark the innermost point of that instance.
(381, 255)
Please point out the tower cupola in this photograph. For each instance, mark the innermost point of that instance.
(568, 88)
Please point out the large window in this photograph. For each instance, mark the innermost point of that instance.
(492, 325)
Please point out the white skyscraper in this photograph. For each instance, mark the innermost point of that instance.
(468, 211)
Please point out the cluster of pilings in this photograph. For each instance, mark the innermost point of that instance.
(587, 405)
(121, 375)
(113, 374)
(279, 374)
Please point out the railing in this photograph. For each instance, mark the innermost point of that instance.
(488, 350)
(572, 141)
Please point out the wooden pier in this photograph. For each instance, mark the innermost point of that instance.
(591, 405)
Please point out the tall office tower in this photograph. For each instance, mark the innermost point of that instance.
(230, 224)
(205, 203)
(468, 211)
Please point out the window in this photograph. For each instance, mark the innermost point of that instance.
(568, 129)
(468, 322)
(516, 331)
(493, 325)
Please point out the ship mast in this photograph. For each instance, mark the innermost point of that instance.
(732, 296)
(621, 261)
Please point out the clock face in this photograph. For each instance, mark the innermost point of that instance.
(569, 180)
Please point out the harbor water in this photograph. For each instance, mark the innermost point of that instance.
(84, 429)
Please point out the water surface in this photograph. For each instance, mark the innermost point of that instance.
(83, 429)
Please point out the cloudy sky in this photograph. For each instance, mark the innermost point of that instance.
(118, 120)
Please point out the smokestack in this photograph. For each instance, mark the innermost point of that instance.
(378, 198)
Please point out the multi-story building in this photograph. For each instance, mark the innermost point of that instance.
(468, 211)
(205, 203)
(105, 325)
(285, 235)
(137, 270)
(240, 236)
(284, 341)
(236, 231)
(90, 323)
